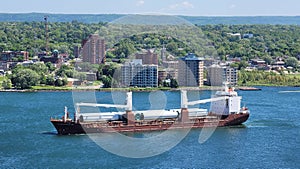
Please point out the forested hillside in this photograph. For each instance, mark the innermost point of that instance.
(30, 36)
(268, 41)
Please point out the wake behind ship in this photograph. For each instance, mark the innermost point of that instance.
(225, 111)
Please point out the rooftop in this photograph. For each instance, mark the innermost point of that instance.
(192, 56)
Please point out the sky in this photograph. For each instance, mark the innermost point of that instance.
(170, 7)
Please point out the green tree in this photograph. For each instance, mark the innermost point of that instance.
(174, 83)
(59, 82)
(50, 66)
(25, 78)
(291, 61)
(81, 76)
(67, 71)
(124, 49)
(50, 80)
(107, 81)
(242, 65)
(6, 84)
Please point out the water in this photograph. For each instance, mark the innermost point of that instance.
(271, 138)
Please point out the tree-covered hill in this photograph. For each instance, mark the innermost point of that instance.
(268, 41)
(30, 36)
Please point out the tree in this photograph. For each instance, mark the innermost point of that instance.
(107, 81)
(65, 70)
(126, 47)
(174, 83)
(81, 76)
(25, 78)
(50, 66)
(268, 59)
(61, 82)
(291, 61)
(242, 65)
(40, 68)
(50, 80)
(6, 84)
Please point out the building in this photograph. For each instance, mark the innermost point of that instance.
(248, 35)
(171, 68)
(148, 58)
(54, 59)
(93, 50)
(232, 76)
(138, 75)
(91, 76)
(14, 56)
(190, 71)
(216, 75)
(258, 63)
(76, 51)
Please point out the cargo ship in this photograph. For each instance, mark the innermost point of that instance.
(225, 111)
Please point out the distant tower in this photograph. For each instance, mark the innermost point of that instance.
(46, 32)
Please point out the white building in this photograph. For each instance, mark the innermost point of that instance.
(138, 75)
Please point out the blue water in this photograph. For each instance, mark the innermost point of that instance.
(270, 138)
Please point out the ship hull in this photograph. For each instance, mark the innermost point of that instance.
(70, 127)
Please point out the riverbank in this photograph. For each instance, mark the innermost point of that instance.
(97, 88)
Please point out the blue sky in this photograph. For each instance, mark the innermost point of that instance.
(173, 7)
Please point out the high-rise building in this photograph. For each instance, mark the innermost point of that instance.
(139, 75)
(232, 76)
(216, 75)
(93, 50)
(190, 71)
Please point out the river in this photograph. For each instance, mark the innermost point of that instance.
(269, 139)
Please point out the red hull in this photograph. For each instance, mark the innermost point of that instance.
(70, 127)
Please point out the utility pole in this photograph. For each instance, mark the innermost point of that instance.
(46, 32)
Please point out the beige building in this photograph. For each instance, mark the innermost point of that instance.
(190, 71)
(93, 50)
(216, 75)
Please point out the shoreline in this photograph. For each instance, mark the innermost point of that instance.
(206, 88)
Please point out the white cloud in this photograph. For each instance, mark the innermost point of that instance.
(182, 5)
(140, 3)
